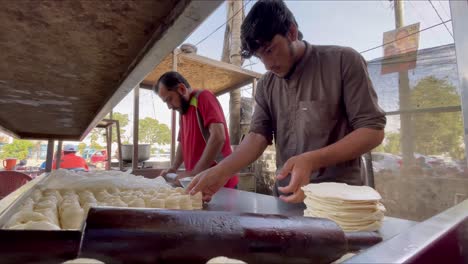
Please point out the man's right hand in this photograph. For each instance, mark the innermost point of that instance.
(208, 182)
(165, 172)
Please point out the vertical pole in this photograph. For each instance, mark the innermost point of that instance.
(119, 145)
(459, 12)
(173, 117)
(407, 146)
(109, 150)
(50, 155)
(109, 144)
(236, 8)
(59, 154)
(136, 114)
(254, 92)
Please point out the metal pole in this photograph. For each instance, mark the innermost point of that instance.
(119, 145)
(254, 92)
(173, 117)
(109, 150)
(59, 155)
(407, 146)
(109, 143)
(50, 155)
(459, 11)
(136, 109)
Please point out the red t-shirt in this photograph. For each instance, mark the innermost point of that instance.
(71, 161)
(191, 137)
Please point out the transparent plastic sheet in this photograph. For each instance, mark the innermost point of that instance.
(66, 179)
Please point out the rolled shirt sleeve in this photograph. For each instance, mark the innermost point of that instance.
(359, 96)
(262, 122)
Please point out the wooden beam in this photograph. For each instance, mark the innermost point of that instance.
(109, 146)
(240, 85)
(175, 63)
(119, 145)
(50, 155)
(254, 92)
(136, 116)
(218, 64)
(192, 14)
(109, 143)
(146, 85)
(59, 155)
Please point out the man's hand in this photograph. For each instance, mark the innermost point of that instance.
(165, 172)
(208, 182)
(300, 167)
(180, 175)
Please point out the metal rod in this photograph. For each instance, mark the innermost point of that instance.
(109, 144)
(173, 117)
(136, 114)
(459, 11)
(369, 170)
(119, 145)
(173, 136)
(50, 155)
(109, 150)
(59, 155)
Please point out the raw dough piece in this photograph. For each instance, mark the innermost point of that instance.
(22, 217)
(138, 202)
(71, 217)
(157, 203)
(172, 202)
(40, 225)
(224, 260)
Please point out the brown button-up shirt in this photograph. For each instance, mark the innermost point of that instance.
(328, 96)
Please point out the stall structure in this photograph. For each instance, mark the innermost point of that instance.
(64, 65)
(201, 73)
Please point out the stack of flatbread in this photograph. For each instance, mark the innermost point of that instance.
(353, 208)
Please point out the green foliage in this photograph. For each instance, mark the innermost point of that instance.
(81, 147)
(95, 137)
(123, 123)
(151, 131)
(437, 133)
(392, 144)
(18, 149)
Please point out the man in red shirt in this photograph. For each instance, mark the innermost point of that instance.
(203, 135)
(70, 161)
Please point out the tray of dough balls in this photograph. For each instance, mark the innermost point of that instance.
(62, 200)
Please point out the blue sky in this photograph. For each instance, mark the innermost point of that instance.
(357, 24)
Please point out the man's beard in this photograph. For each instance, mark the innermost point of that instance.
(184, 105)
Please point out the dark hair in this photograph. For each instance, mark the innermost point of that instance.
(171, 79)
(68, 152)
(266, 19)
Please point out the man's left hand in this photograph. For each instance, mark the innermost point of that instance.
(300, 167)
(180, 175)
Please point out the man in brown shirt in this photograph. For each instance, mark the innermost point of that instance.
(316, 102)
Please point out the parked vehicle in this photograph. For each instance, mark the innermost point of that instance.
(386, 161)
(99, 158)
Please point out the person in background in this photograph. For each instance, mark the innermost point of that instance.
(317, 103)
(203, 135)
(70, 160)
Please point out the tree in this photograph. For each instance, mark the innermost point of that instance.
(392, 143)
(151, 131)
(379, 148)
(123, 123)
(442, 132)
(81, 147)
(18, 149)
(95, 137)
